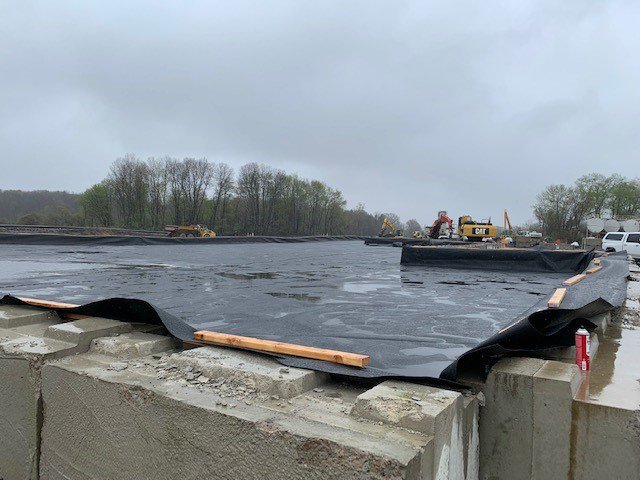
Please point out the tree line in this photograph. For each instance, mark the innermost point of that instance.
(39, 206)
(257, 199)
(562, 210)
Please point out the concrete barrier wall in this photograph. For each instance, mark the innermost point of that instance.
(100, 399)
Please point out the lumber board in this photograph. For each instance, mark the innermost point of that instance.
(557, 297)
(591, 270)
(250, 343)
(575, 279)
(55, 305)
(47, 303)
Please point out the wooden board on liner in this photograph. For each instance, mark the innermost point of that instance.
(575, 279)
(250, 343)
(557, 297)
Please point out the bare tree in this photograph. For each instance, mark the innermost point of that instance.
(222, 189)
(196, 180)
(412, 225)
(175, 174)
(158, 178)
(260, 189)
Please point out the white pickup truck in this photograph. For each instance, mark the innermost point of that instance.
(619, 241)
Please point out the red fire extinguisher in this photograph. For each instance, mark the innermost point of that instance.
(583, 350)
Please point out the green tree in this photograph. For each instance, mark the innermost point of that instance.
(96, 205)
(593, 192)
(553, 209)
(624, 198)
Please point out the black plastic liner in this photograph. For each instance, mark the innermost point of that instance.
(511, 259)
(535, 331)
(60, 239)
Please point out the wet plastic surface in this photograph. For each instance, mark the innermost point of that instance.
(343, 295)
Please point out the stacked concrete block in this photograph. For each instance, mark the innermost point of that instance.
(444, 415)
(213, 412)
(28, 338)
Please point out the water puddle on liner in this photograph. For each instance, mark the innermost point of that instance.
(249, 276)
(357, 287)
(296, 296)
(24, 267)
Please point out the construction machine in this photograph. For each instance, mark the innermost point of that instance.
(505, 238)
(507, 223)
(476, 231)
(200, 231)
(442, 226)
(388, 229)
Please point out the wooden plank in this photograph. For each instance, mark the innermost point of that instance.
(591, 270)
(47, 303)
(334, 356)
(557, 297)
(596, 261)
(575, 279)
(55, 305)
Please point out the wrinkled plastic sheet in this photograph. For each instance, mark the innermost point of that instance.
(535, 330)
(97, 240)
(510, 259)
(541, 328)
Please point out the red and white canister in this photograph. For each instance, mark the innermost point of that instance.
(583, 350)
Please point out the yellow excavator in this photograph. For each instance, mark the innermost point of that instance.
(476, 231)
(388, 229)
(200, 231)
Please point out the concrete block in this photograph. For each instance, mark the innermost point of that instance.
(23, 349)
(132, 345)
(164, 417)
(81, 332)
(471, 437)
(408, 405)
(17, 316)
(506, 420)
(554, 387)
(526, 424)
(605, 442)
(19, 421)
(249, 369)
(433, 411)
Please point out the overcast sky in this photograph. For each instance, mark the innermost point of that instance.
(405, 106)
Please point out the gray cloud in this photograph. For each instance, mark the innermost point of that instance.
(406, 106)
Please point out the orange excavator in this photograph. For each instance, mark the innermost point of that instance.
(442, 220)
